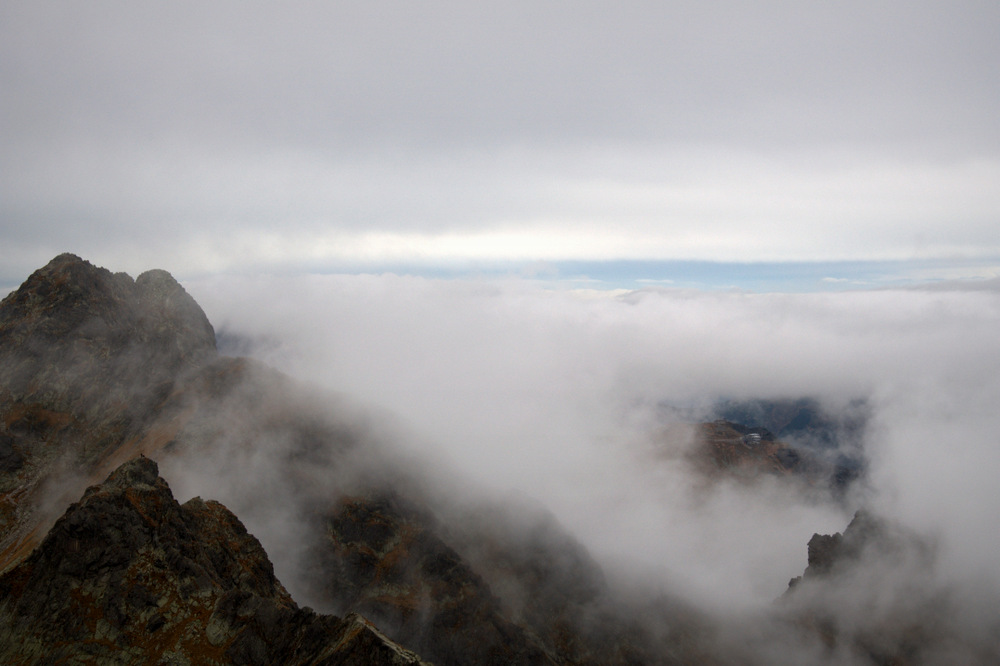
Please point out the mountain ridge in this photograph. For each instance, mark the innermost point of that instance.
(128, 575)
(87, 357)
(95, 335)
(105, 381)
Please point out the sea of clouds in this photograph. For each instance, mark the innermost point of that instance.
(572, 398)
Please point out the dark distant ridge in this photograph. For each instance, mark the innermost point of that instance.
(802, 420)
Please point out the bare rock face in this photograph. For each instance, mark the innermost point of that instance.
(492, 588)
(382, 558)
(70, 316)
(128, 576)
(86, 358)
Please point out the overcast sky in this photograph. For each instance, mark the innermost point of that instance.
(454, 136)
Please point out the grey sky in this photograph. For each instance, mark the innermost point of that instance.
(211, 137)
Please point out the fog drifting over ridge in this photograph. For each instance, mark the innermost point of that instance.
(559, 395)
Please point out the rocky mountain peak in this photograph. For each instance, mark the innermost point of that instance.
(70, 301)
(59, 297)
(172, 316)
(79, 340)
(87, 357)
(140, 473)
(127, 575)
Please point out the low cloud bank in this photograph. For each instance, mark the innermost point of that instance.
(559, 396)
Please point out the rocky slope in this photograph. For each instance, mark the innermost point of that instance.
(817, 445)
(127, 575)
(497, 591)
(86, 359)
(97, 369)
(735, 450)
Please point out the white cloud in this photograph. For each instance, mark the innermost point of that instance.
(556, 395)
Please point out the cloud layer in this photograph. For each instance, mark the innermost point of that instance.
(560, 396)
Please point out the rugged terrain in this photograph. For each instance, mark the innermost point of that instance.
(97, 369)
(101, 375)
(127, 575)
(871, 596)
(794, 440)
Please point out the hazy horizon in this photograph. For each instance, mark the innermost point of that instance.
(773, 147)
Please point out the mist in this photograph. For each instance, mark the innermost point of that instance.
(509, 387)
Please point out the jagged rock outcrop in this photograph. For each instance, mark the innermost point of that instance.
(871, 596)
(127, 575)
(87, 357)
(866, 535)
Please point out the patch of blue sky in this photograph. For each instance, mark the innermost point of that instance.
(761, 277)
